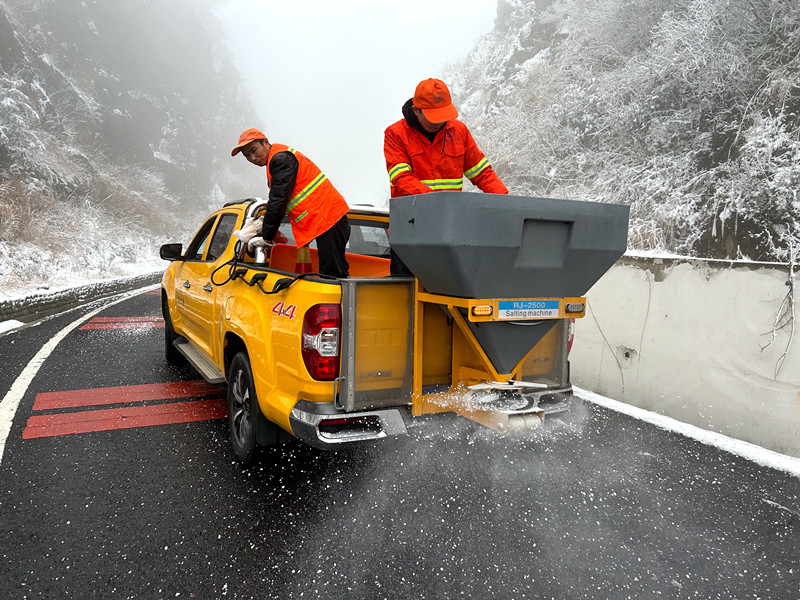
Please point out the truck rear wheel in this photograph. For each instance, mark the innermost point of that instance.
(243, 409)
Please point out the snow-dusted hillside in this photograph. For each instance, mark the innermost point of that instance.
(116, 120)
(688, 110)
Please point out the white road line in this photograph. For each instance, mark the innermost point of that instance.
(10, 402)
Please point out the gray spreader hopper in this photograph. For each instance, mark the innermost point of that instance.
(472, 245)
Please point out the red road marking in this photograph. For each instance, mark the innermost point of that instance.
(126, 319)
(91, 325)
(124, 418)
(128, 393)
(124, 323)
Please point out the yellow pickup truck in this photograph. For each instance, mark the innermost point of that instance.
(480, 329)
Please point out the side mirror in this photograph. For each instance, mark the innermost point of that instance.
(171, 251)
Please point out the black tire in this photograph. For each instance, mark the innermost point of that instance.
(171, 354)
(243, 409)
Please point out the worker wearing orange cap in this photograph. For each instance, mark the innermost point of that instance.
(299, 190)
(428, 150)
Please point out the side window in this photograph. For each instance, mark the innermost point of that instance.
(198, 245)
(368, 237)
(226, 225)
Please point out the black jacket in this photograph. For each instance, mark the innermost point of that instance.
(283, 173)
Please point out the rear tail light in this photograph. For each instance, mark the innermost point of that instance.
(322, 324)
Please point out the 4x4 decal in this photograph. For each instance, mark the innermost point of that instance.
(284, 310)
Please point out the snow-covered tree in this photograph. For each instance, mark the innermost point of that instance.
(687, 110)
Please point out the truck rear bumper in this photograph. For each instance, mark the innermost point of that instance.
(323, 426)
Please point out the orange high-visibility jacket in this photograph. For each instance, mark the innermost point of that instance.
(418, 166)
(314, 205)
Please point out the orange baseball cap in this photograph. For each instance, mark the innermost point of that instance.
(248, 135)
(433, 98)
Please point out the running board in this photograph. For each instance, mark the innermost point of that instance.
(207, 369)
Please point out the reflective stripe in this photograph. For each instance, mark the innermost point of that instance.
(315, 183)
(444, 184)
(397, 169)
(301, 217)
(477, 169)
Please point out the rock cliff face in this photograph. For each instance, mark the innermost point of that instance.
(137, 85)
(687, 110)
(116, 119)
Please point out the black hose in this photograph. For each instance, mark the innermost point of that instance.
(257, 278)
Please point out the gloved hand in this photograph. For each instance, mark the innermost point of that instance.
(250, 230)
(259, 242)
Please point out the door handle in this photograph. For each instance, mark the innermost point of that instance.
(187, 285)
(208, 287)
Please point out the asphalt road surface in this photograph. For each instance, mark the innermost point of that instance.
(117, 481)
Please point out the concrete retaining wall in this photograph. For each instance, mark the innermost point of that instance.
(694, 340)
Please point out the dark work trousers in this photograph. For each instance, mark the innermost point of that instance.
(330, 249)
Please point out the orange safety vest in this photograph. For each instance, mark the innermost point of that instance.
(315, 205)
(418, 166)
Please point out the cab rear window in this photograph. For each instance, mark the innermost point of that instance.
(370, 238)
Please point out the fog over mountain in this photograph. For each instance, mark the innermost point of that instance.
(115, 122)
(685, 109)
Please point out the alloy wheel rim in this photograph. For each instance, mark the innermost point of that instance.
(241, 406)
